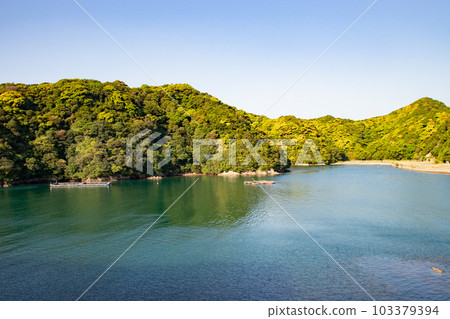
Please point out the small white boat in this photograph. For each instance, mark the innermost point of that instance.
(70, 185)
(259, 183)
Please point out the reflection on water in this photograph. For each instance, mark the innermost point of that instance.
(228, 241)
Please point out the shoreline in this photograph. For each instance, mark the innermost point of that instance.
(36, 181)
(270, 172)
(416, 166)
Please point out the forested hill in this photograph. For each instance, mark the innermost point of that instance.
(409, 133)
(79, 128)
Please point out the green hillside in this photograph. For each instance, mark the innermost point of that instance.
(78, 129)
(409, 133)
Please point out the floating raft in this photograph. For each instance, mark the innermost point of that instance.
(437, 270)
(259, 183)
(70, 185)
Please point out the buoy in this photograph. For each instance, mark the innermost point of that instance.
(437, 270)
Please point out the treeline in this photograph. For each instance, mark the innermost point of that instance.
(79, 128)
(410, 133)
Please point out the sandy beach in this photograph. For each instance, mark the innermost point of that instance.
(419, 166)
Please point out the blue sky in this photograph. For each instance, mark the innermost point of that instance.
(246, 53)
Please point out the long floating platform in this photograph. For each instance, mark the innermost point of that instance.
(259, 183)
(71, 185)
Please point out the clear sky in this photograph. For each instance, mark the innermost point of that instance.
(246, 53)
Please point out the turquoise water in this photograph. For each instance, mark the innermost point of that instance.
(224, 240)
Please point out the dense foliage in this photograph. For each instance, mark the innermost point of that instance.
(409, 133)
(79, 128)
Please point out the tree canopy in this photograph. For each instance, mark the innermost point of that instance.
(78, 129)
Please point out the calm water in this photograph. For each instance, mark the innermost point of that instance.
(227, 241)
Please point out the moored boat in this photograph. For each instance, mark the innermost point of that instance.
(259, 182)
(70, 185)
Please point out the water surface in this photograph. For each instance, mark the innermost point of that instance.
(224, 240)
